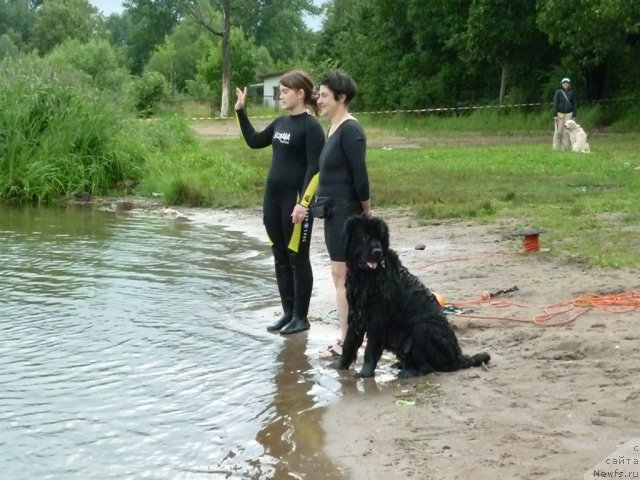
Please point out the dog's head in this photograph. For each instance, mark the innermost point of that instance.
(367, 243)
(571, 125)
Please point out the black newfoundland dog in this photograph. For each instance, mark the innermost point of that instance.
(394, 309)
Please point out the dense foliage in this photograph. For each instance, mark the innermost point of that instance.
(403, 53)
(60, 137)
(73, 80)
(416, 53)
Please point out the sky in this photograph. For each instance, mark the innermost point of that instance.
(108, 6)
(115, 6)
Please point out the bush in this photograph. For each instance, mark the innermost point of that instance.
(146, 93)
(59, 137)
(7, 47)
(100, 61)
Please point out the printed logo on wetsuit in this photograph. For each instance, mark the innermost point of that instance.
(282, 137)
(305, 228)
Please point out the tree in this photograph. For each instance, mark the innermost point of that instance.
(340, 15)
(278, 25)
(594, 36)
(8, 49)
(150, 21)
(410, 62)
(434, 73)
(99, 60)
(274, 24)
(60, 20)
(147, 92)
(164, 61)
(178, 56)
(16, 21)
(202, 13)
(346, 43)
(246, 57)
(263, 61)
(119, 28)
(501, 33)
(436, 53)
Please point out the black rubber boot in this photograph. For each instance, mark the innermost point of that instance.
(284, 277)
(297, 324)
(276, 327)
(303, 283)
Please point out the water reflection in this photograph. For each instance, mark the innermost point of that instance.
(291, 438)
(134, 346)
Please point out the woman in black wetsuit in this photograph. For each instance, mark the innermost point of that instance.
(296, 141)
(343, 179)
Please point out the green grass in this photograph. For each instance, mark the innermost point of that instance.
(494, 121)
(586, 203)
(223, 173)
(196, 177)
(59, 138)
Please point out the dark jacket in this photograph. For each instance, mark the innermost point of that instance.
(562, 104)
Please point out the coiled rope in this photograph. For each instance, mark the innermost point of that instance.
(562, 313)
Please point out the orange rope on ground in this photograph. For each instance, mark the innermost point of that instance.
(485, 298)
(458, 259)
(618, 303)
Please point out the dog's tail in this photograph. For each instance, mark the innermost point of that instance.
(468, 361)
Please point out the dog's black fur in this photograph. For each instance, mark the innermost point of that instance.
(394, 309)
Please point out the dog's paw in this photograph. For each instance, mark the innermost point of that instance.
(333, 365)
(337, 365)
(364, 374)
(406, 373)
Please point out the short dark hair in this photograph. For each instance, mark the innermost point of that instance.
(340, 83)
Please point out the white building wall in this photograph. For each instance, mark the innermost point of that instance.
(271, 90)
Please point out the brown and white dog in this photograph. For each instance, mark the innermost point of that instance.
(578, 137)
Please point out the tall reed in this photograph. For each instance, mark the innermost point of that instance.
(60, 137)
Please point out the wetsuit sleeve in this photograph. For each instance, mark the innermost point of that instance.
(315, 142)
(254, 139)
(310, 191)
(354, 145)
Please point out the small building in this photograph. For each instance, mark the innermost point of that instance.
(269, 87)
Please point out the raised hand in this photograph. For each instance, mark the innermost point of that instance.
(241, 96)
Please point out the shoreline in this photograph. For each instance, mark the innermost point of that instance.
(554, 400)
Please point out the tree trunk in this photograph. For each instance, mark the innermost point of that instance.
(226, 58)
(503, 83)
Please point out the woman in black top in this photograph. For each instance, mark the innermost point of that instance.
(343, 179)
(296, 141)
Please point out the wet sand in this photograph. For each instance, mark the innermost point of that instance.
(554, 401)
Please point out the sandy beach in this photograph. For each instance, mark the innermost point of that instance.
(554, 401)
(560, 394)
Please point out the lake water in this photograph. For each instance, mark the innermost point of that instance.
(134, 346)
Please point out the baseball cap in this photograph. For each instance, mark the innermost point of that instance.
(565, 79)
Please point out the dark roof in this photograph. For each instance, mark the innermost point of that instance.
(277, 73)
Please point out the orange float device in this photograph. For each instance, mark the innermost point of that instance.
(440, 299)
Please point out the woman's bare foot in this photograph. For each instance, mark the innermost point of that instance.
(332, 351)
